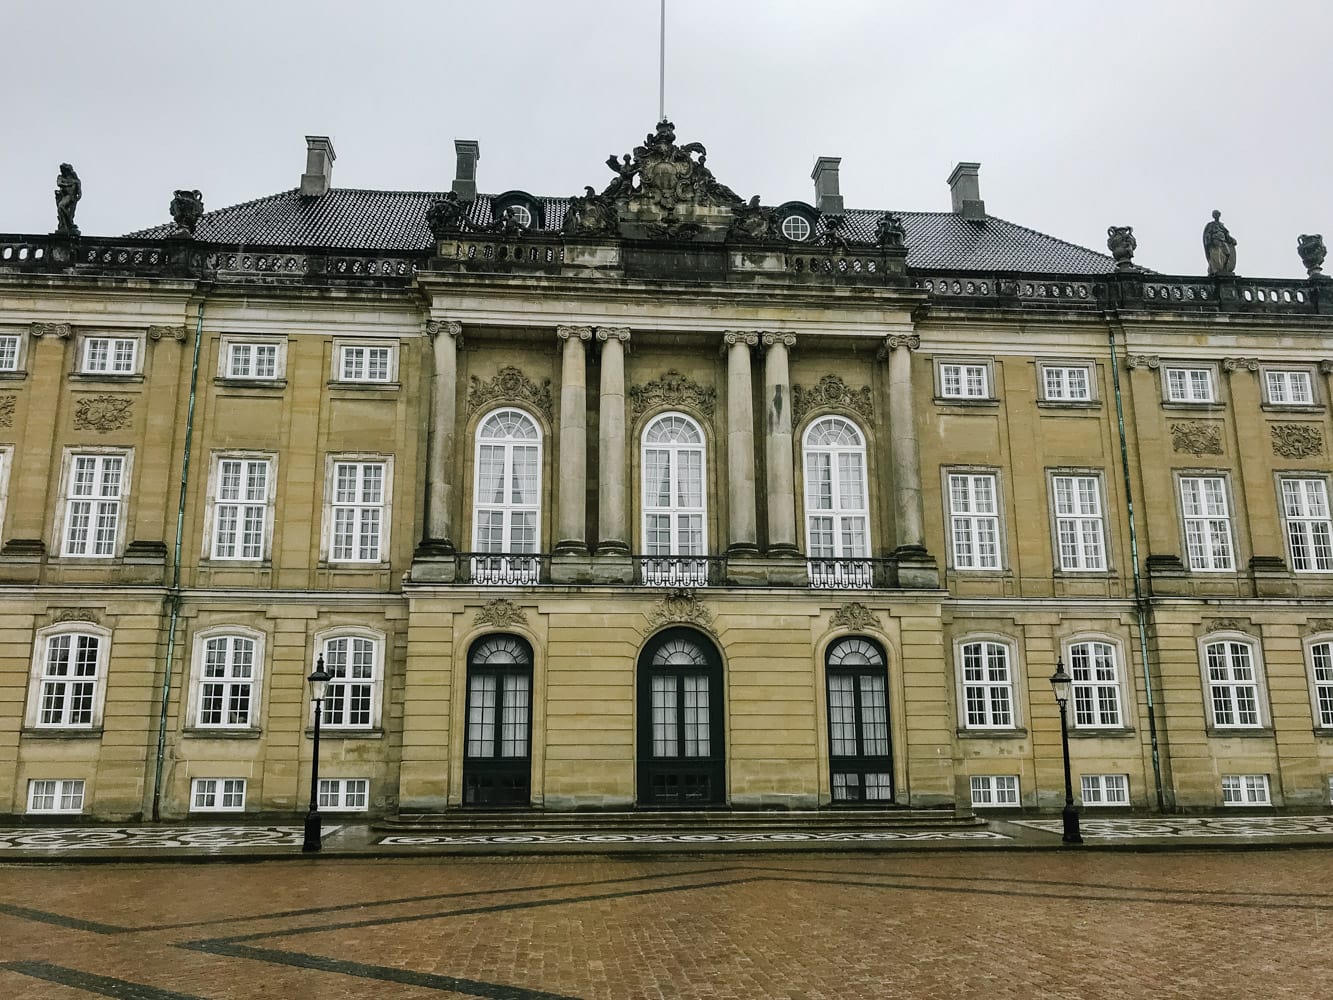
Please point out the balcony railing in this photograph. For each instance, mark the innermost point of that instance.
(503, 569)
(847, 574)
(681, 571)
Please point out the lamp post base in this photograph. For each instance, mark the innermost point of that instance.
(1072, 834)
(313, 833)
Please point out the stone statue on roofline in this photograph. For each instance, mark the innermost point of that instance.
(447, 216)
(1219, 246)
(186, 209)
(69, 189)
(889, 231)
(751, 221)
(1122, 244)
(507, 224)
(589, 214)
(1313, 252)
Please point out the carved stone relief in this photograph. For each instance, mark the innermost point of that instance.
(1150, 361)
(1297, 440)
(672, 389)
(1240, 364)
(1224, 625)
(854, 616)
(73, 615)
(176, 333)
(103, 413)
(1197, 438)
(680, 605)
(61, 330)
(449, 328)
(910, 341)
(832, 391)
(509, 385)
(1316, 625)
(7, 410)
(502, 613)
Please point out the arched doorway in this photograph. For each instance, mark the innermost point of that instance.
(681, 745)
(860, 752)
(497, 754)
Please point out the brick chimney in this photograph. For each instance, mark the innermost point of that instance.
(465, 178)
(319, 159)
(825, 176)
(965, 189)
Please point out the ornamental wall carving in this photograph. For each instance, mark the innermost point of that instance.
(1195, 437)
(176, 333)
(7, 410)
(1297, 440)
(502, 613)
(509, 385)
(103, 413)
(833, 392)
(1316, 625)
(60, 330)
(1240, 364)
(679, 606)
(1149, 361)
(673, 389)
(74, 615)
(855, 616)
(1223, 625)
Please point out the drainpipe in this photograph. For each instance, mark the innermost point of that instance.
(1140, 602)
(174, 593)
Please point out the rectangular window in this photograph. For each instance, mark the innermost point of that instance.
(987, 686)
(350, 697)
(9, 353)
(1066, 383)
(1096, 686)
(1079, 529)
(1203, 500)
(1245, 790)
(1289, 388)
(1105, 789)
(344, 794)
(1321, 670)
(964, 381)
(217, 795)
(1309, 527)
(58, 795)
(226, 688)
(357, 511)
(994, 790)
(109, 356)
(240, 510)
(974, 521)
(1233, 685)
(1189, 385)
(252, 361)
(92, 505)
(365, 364)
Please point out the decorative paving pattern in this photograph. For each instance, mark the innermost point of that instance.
(1194, 826)
(210, 838)
(404, 840)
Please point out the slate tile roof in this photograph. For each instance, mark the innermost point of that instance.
(353, 218)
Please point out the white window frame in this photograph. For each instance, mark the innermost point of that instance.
(232, 345)
(827, 500)
(63, 793)
(217, 794)
(342, 794)
(229, 681)
(1078, 509)
(1244, 698)
(98, 503)
(988, 789)
(40, 681)
(1058, 382)
(507, 508)
(1285, 387)
(1319, 671)
(1189, 384)
(214, 522)
(1241, 790)
(968, 379)
(14, 363)
(667, 566)
(1099, 791)
(967, 510)
(1307, 520)
(354, 636)
(796, 227)
(1097, 702)
(994, 696)
(360, 511)
(1207, 527)
(102, 354)
(348, 370)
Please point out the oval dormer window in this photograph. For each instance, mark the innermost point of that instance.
(520, 214)
(796, 228)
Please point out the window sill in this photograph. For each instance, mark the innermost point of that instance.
(352, 566)
(1244, 732)
(204, 733)
(372, 386)
(992, 734)
(106, 377)
(1100, 734)
(41, 733)
(342, 733)
(1292, 408)
(980, 402)
(215, 563)
(13, 376)
(1211, 406)
(267, 384)
(1069, 404)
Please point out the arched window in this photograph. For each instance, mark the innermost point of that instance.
(674, 503)
(860, 759)
(1096, 673)
(355, 663)
(836, 506)
(681, 756)
(227, 671)
(497, 762)
(1233, 683)
(68, 685)
(988, 685)
(507, 497)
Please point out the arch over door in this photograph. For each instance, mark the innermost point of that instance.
(497, 754)
(860, 751)
(681, 744)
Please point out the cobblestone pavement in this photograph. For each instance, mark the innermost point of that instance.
(1050, 924)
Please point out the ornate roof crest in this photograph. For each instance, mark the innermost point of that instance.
(509, 384)
(672, 389)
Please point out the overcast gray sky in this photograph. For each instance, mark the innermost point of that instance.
(1137, 113)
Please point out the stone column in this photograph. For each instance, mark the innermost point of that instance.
(571, 497)
(742, 538)
(440, 471)
(778, 445)
(612, 530)
(905, 456)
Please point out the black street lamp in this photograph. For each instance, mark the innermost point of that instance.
(1062, 684)
(319, 680)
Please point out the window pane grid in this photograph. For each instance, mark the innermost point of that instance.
(358, 511)
(228, 672)
(1233, 685)
(835, 488)
(1207, 523)
(674, 503)
(974, 520)
(1309, 527)
(507, 498)
(987, 685)
(92, 507)
(351, 664)
(240, 512)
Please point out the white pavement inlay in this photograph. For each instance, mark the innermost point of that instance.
(210, 838)
(1193, 826)
(500, 839)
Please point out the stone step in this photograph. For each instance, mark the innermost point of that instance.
(529, 820)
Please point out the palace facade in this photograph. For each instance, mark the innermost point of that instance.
(656, 497)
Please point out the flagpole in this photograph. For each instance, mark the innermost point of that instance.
(661, 67)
